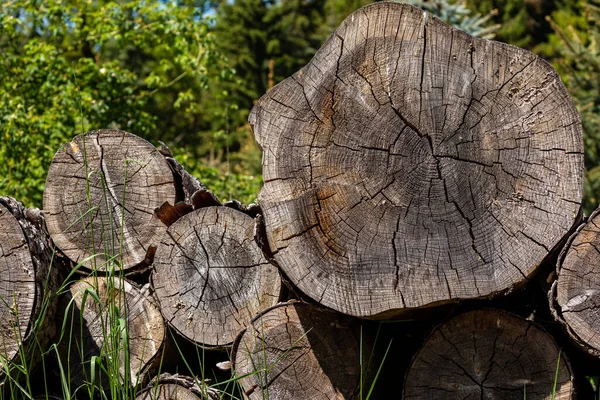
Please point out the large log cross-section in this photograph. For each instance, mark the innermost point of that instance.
(409, 163)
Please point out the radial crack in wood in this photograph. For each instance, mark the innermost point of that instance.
(575, 295)
(297, 351)
(113, 320)
(409, 164)
(488, 354)
(210, 276)
(101, 191)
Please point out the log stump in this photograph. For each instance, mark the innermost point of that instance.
(297, 351)
(101, 192)
(28, 279)
(488, 354)
(409, 164)
(100, 311)
(177, 387)
(211, 278)
(575, 295)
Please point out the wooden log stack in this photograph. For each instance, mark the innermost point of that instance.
(413, 174)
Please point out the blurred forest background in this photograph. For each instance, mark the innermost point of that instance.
(187, 72)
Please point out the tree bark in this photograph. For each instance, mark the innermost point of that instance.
(575, 295)
(100, 311)
(489, 354)
(176, 387)
(28, 276)
(101, 192)
(210, 276)
(297, 351)
(409, 164)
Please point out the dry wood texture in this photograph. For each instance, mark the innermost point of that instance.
(296, 351)
(210, 276)
(26, 282)
(101, 192)
(409, 163)
(101, 334)
(177, 387)
(488, 354)
(575, 295)
(17, 287)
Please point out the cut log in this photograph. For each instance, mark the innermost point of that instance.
(297, 351)
(210, 276)
(575, 295)
(101, 192)
(489, 354)
(28, 280)
(409, 163)
(101, 311)
(177, 387)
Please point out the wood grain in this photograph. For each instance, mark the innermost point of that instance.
(575, 295)
(210, 276)
(101, 192)
(410, 164)
(489, 354)
(99, 312)
(17, 285)
(297, 351)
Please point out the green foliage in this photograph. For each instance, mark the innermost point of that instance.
(69, 66)
(265, 42)
(457, 14)
(522, 22)
(579, 65)
(224, 183)
(336, 11)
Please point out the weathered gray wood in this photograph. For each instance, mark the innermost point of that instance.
(297, 351)
(101, 192)
(409, 163)
(488, 354)
(210, 276)
(27, 284)
(575, 295)
(177, 387)
(93, 329)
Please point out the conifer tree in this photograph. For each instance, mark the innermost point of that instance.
(579, 65)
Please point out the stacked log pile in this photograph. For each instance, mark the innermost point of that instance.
(413, 174)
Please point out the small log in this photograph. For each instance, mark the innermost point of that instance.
(28, 276)
(210, 276)
(575, 295)
(410, 164)
(101, 192)
(489, 354)
(297, 351)
(177, 387)
(96, 330)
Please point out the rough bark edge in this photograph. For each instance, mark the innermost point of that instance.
(45, 262)
(563, 356)
(555, 308)
(184, 381)
(192, 194)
